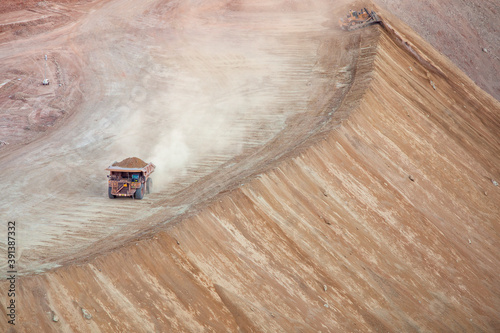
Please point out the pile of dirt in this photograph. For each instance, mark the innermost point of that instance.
(131, 162)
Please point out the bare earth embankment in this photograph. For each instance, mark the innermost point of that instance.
(357, 193)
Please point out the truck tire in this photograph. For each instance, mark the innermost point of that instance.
(111, 196)
(139, 193)
(149, 186)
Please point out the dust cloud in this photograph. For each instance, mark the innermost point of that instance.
(208, 93)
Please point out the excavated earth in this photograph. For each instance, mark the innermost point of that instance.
(131, 162)
(308, 179)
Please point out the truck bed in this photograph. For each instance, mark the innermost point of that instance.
(147, 169)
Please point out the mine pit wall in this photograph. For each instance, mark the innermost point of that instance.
(336, 238)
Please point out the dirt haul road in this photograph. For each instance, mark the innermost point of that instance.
(308, 179)
(186, 86)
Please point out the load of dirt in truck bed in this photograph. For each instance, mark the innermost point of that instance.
(131, 162)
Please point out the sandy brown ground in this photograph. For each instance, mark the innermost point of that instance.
(185, 86)
(309, 179)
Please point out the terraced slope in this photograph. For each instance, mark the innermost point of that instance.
(374, 211)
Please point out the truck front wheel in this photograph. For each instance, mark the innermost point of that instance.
(139, 193)
(111, 196)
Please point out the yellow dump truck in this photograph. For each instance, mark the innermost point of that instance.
(130, 178)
